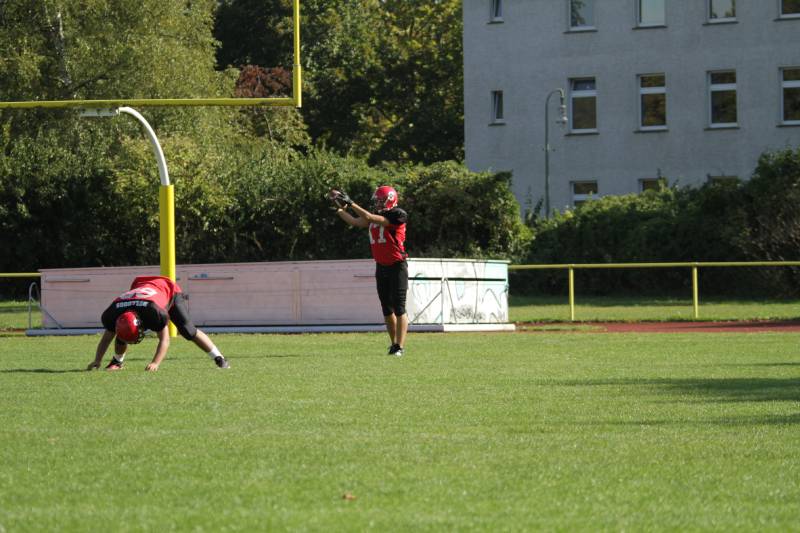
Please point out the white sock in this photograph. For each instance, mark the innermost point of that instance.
(214, 353)
(119, 358)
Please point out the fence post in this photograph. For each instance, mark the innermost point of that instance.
(571, 294)
(695, 293)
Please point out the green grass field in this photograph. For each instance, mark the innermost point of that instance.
(487, 432)
(14, 315)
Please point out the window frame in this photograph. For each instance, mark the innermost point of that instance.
(652, 90)
(721, 87)
(496, 11)
(584, 93)
(587, 27)
(719, 20)
(782, 15)
(788, 84)
(658, 182)
(578, 199)
(498, 107)
(640, 24)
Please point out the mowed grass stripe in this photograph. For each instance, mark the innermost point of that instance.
(467, 431)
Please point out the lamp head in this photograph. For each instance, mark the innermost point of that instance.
(562, 111)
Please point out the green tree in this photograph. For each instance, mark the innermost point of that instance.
(383, 77)
(71, 177)
(99, 49)
(418, 105)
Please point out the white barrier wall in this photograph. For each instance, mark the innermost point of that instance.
(306, 293)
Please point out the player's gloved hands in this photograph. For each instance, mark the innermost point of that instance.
(340, 199)
(94, 365)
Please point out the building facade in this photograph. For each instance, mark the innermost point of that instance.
(684, 91)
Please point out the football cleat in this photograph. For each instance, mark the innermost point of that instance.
(221, 362)
(114, 365)
(396, 350)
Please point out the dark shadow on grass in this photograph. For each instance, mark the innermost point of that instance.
(268, 356)
(743, 421)
(706, 389)
(702, 391)
(757, 364)
(41, 371)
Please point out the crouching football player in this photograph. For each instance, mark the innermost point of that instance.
(151, 303)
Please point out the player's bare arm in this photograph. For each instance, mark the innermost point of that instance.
(161, 349)
(102, 347)
(357, 222)
(369, 217)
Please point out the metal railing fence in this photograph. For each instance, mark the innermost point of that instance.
(694, 266)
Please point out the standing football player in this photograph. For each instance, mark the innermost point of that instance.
(151, 303)
(386, 227)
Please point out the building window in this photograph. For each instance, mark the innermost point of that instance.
(583, 105)
(721, 10)
(496, 14)
(790, 8)
(581, 14)
(791, 95)
(583, 191)
(722, 92)
(497, 107)
(652, 13)
(651, 184)
(653, 102)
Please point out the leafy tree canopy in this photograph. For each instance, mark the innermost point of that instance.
(383, 77)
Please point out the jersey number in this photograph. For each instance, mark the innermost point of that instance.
(141, 292)
(381, 237)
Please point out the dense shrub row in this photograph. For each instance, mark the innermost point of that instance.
(86, 202)
(78, 198)
(756, 220)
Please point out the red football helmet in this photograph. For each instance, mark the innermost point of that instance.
(129, 328)
(384, 198)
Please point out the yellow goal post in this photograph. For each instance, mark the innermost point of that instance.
(113, 107)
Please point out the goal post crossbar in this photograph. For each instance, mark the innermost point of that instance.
(148, 102)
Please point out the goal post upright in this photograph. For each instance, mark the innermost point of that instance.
(297, 78)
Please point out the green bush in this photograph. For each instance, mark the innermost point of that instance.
(275, 209)
(757, 220)
(90, 198)
(457, 213)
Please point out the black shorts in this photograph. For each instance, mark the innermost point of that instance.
(392, 283)
(152, 316)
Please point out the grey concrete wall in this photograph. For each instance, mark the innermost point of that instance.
(532, 52)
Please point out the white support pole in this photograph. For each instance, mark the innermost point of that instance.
(151, 135)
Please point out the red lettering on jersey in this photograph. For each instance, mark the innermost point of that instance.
(157, 289)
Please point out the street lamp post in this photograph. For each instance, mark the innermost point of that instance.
(562, 119)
